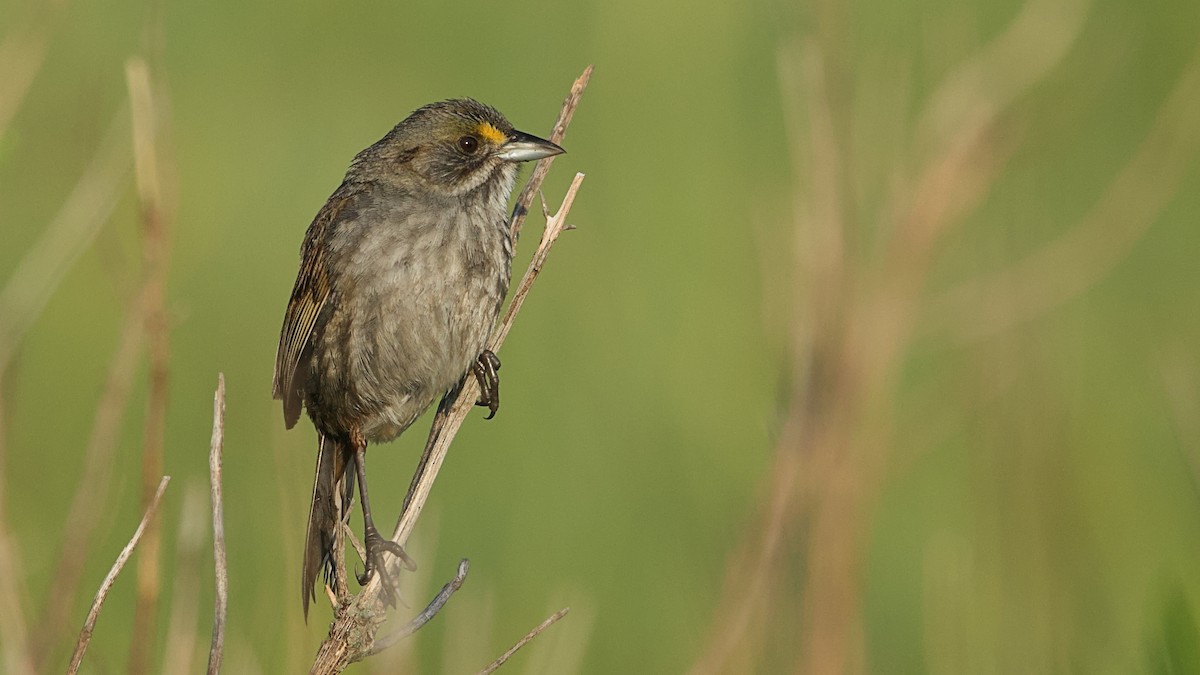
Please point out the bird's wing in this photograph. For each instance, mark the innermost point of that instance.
(309, 296)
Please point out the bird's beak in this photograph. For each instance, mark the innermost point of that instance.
(523, 147)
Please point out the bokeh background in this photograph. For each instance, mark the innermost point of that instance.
(875, 349)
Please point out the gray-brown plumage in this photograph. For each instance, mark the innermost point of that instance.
(402, 274)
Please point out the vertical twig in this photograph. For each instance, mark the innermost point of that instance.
(525, 199)
(520, 211)
(218, 518)
(445, 429)
(89, 624)
(155, 253)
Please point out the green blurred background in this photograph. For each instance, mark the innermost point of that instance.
(1037, 511)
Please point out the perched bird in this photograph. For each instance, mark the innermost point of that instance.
(402, 274)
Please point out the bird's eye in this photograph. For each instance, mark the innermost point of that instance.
(468, 144)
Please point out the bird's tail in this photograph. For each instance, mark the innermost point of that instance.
(333, 492)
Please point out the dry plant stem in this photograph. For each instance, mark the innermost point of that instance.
(857, 321)
(520, 212)
(430, 611)
(348, 532)
(521, 209)
(446, 425)
(352, 633)
(821, 254)
(554, 227)
(848, 414)
(553, 618)
(89, 624)
(856, 369)
(155, 254)
(218, 519)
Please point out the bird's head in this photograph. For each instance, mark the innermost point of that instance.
(456, 146)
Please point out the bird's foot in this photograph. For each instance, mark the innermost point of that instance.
(486, 369)
(376, 546)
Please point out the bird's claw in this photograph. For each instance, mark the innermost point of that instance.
(486, 369)
(376, 546)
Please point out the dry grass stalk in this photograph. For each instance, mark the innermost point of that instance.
(147, 121)
(221, 601)
(550, 621)
(89, 624)
(857, 315)
(559, 132)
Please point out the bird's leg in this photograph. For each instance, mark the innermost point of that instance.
(373, 542)
(485, 368)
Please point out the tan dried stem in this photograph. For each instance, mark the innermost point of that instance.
(221, 602)
(89, 624)
(529, 637)
(856, 318)
(431, 462)
(557, 134)
(352, 634)
(147, 121)
(848, 441)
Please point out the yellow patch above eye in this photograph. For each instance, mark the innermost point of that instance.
(491, 133)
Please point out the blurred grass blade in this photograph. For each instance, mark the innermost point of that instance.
(74, 227)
